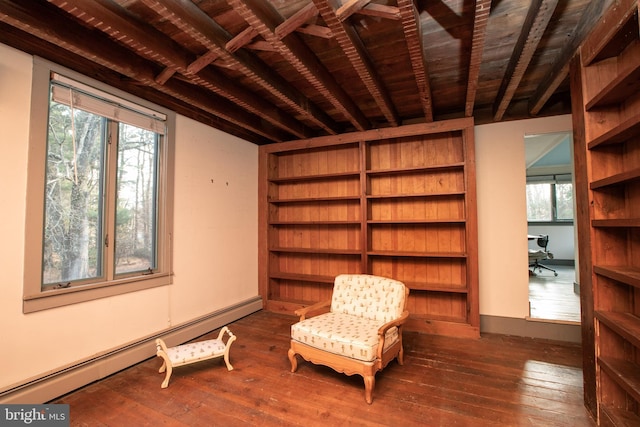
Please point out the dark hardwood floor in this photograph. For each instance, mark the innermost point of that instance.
(492, 381)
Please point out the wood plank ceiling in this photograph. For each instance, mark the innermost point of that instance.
(277, 70)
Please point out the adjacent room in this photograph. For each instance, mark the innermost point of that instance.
(554, 290)
(313, 212)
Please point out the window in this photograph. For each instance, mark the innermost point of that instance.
(99, 207)
(549, 199)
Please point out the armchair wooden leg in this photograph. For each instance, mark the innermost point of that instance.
(369, 384)
(401, 356)
(293, 360)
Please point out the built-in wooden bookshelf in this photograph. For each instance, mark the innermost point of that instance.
(396, 202)
(606, 109)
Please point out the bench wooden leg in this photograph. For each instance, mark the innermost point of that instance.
(227, 346)
(165, 383)
(166, 365)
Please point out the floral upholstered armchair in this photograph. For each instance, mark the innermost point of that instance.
(361, 333)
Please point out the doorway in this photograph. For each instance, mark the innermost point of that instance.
(553, 286)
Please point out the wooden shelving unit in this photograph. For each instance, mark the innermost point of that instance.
(606, 110)
(395, 202)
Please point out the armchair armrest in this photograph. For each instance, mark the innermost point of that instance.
(304, 311)
(395, 322)
(384, 328)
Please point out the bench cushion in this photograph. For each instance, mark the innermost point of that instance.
(192, 352)
(351, 336)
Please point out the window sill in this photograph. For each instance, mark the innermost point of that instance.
(553, 223)
(61, 297)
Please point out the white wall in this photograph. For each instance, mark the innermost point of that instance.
(215, 244)
(561, 240)
(502, 217)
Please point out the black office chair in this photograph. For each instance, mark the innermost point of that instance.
(537, 255)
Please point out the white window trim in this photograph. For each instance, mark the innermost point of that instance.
(34, 298)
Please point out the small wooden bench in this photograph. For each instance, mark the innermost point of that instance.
(189, 353)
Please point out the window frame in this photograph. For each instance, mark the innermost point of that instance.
(36, 299)
(552, 181)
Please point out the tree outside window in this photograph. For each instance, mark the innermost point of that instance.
(549, 201)
(84, 151)
(73, 198)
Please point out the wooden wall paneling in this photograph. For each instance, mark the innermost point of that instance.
(471, 224)
(606, 109)
(394, 202)
(582, 195)
(366, 209)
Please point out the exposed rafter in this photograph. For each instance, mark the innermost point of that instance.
(381, 11)
(296, 21)
(316, 30)
(349, 7)
(355, 52)
(241, 39)
(156, 47)
(38, 21)
(264, 19)
(274, 70)
(481, 17)
(411, 27)
(198, 25)
(534, 26)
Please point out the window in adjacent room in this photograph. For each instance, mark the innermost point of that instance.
(549, 199)
(99, 209)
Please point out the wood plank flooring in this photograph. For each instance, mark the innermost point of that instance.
(553, 298)
(492, 381)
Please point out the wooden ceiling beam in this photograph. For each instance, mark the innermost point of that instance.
(560, 69)
(380, 11)
(354, 50)
(185, 15)
(203, 60)
(535, 24)
(155, 46)
(350, 7)
(413, 37)
(316, 30)
(165, 75)
(296, 20)
(45, 23)
(481, 17)
(265, 19)
(243, 38)
(36, 46)
(111, 19)
(262, 45)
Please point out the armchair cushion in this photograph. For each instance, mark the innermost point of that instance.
(370, 297)
(351, 336)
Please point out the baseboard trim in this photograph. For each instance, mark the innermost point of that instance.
(532, 328)
(48, 386)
